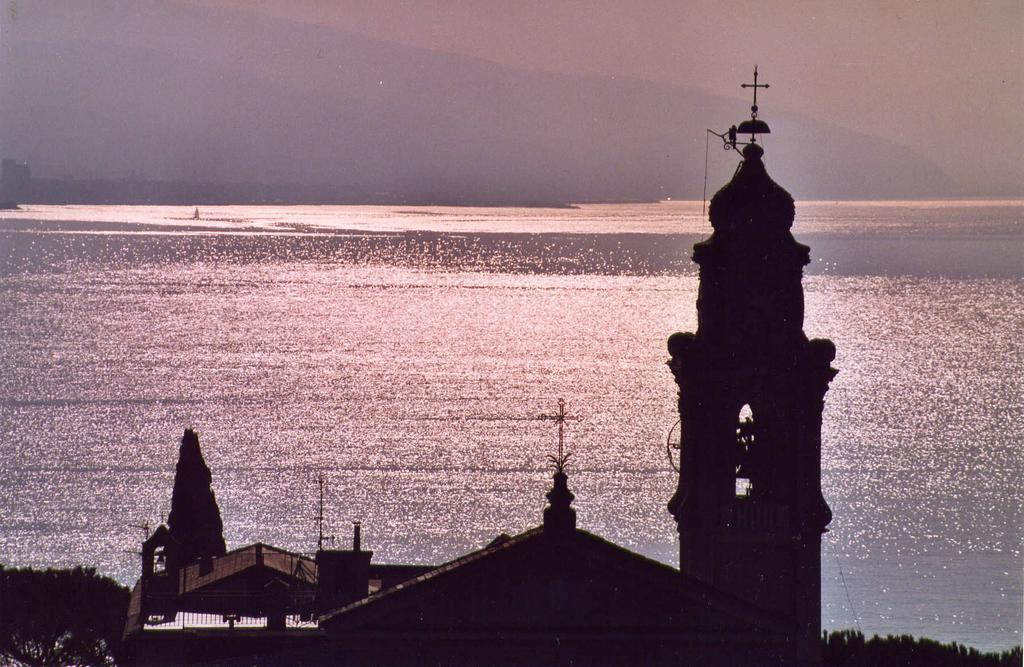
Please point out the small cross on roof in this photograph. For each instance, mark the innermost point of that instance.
(560, 418)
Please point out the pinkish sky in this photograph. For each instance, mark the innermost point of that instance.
(922, 99)
(944, 76)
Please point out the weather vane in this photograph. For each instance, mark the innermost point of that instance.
(753, 127)
(560, 418)
(730, 141)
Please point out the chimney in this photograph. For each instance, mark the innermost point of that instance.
(342, 576)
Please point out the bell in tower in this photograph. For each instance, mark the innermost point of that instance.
(751, 392)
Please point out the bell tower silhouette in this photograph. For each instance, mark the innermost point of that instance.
(751, 392)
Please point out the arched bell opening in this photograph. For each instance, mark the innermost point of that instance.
(155, 552)
(159, 560)
(745, 452)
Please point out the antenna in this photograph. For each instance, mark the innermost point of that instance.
(320, 482)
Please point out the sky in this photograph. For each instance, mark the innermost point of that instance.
(944, 77)
(921, 98)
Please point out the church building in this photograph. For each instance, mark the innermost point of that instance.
(748, 507)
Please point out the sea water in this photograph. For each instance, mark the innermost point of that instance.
(408, 354)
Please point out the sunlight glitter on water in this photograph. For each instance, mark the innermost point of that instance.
(961, 217)
(416, 389)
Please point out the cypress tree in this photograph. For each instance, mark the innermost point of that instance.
(194, 522)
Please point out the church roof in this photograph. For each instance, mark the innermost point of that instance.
(552, 581)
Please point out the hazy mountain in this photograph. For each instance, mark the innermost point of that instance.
(197, 93)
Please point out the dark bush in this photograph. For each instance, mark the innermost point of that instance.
(60, 617)
(848, 648)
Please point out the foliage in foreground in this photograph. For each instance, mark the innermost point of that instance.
(60, 617)
(848, 648)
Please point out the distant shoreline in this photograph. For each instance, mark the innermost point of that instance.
(559, 205)
(357, 202)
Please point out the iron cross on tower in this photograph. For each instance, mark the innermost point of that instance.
(755, 86)
(560, 418)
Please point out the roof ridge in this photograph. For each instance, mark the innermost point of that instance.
(440, 570)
